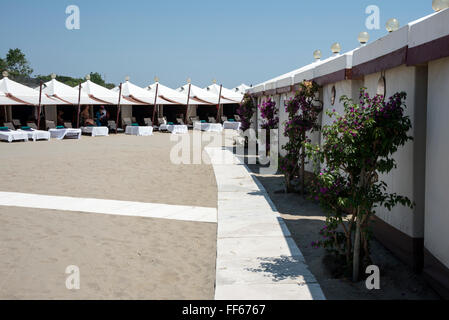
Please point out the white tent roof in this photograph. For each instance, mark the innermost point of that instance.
(5, 101)
(226, 94)
(168, 94)
(66, 94)
(241, 88)
(200, 95)
(23, 94)
(138, 95)
(102, 94)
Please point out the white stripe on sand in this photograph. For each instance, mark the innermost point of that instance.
(114, 207)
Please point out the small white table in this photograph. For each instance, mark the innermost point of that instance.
(233, 125)
(68, 133)
(96, 131)
(209, 127)
(13, 135)
(139, 130)
(177, 128)
(36, 134)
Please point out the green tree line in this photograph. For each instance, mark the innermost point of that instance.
(19, 69)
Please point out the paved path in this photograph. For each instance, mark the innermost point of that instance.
(256, 256)
(114, 207)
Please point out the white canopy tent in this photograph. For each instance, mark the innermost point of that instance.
(66, 94)
(5, 101)
(168, 94)
(102, 95)
(138, 95)
(241, 89)
(227, 96)
(23, 95)
(201, 96)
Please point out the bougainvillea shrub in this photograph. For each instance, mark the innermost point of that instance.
(357, 147)
(303, 112)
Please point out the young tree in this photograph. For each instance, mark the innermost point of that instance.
(303, 112)
(358, 146)
(17, 64)
(269, 114)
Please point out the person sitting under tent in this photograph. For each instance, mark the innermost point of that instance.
(102, 117)
(85, 118)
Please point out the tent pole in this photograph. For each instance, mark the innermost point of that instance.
(188, 100)
(118, 107)
(39, 107)
(79, 107)
(155, 100)
(218, 106)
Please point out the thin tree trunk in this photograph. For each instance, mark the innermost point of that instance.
(357, 240)
(356, 258)
(303, 160)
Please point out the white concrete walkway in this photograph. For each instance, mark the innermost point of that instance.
(256, 256)
(114, 207)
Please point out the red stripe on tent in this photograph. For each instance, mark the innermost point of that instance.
(17, 99)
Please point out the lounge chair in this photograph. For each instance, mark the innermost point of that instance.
(194, 119)
(162, 122)
(9, 125)
(148, 122)
(211, 120)
(127, 122)
(32, 125)
(16, 123)
(50, 124)
(68, 124)
(11, 135)
(113, 126)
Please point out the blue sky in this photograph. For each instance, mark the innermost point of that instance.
(231, 41)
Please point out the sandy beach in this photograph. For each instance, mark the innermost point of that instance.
(119, 257)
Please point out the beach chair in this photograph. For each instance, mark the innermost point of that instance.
(224, 118)
(237, 118)
(50, 124)
(148, 122)
(113, 126)
(16, 123)
(127, 122)
(68, 124)
(211, 120)
(194, 119)
(9, 125)
(162, 122)
(32, 125)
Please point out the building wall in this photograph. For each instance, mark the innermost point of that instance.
(402, 228)
(436, 233)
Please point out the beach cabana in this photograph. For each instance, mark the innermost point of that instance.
(169, 96)
(241, 89)
(106, 97)
(140, 96)
(68, 99)
(229, 100)
(199, 96)
(28, 101)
